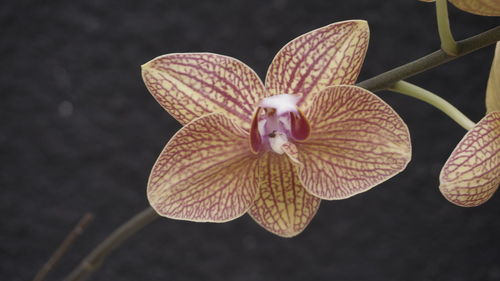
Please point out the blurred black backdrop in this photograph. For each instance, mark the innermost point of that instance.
(79, 132)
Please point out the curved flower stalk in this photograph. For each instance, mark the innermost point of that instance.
(273, 150)
(472, 173)
(477, 7)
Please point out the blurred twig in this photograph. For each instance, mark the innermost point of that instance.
(115, 239)
(67, 242)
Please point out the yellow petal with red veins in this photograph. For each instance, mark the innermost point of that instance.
(357, 141)
(493, 89)
(205, 173)
(283, 206)
(291, 151)
(479, 7)
(190, 85)
(331, 55)
(472, 173)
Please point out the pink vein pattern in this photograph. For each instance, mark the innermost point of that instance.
(331, 55)
(472, 173)
(283, 206)
(205, 173)
(357, 141)
(190, 85)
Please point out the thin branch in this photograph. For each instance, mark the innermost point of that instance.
(386, 79)
(115, 239)
(411, 90)
(67, 242)
(448, 44)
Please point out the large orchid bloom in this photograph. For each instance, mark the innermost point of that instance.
(477, 7)
(272, 150)
(472, 173)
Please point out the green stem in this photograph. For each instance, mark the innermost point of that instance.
(411, 90)
(386, 79)
(115, 239)
(448, 44)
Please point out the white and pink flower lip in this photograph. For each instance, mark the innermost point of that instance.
(277, 122)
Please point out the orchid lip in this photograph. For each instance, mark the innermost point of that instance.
(276, 121)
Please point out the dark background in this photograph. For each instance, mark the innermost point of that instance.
(79, 132)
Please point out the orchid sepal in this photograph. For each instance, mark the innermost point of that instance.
(205, 173)
(330, 55)
(471, 174)
(283, 206)
(478, 7)
(190, 85)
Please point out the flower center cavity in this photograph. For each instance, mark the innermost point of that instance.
(276, 122)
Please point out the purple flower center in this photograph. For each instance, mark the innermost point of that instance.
(276, 122)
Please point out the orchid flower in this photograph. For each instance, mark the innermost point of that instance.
(273, 150)
(472, 173)
(477, 7)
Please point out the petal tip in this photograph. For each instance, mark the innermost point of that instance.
(471, 175)
(460, 200)
(362, 23)
(144, 66)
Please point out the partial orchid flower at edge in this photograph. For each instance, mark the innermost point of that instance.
(273, 150)
(477, 7)
(471, 175)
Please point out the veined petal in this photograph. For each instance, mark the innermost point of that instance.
(291, 151)
(283, 206)
(357, 141)
(493, 88)
(205, 173)
(472, 173)
(190, 85)
(479, 7)
(331, 55)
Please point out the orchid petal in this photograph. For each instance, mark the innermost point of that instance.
(493, 89)
(205, 173)
(190, 85)
(300, 129)
(292, 152)
(357, 141)
(283, 206)
(478, 7)
(331, 55)
(472, 173)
